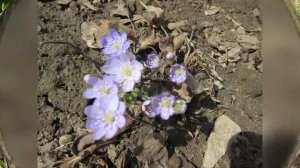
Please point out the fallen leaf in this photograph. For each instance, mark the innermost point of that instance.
(149, 41)
(121, 161)
(184, 92)
(120, 11)
(152, 13)
(88, 4)
(212, 10)
(177, 25)
(166, 44)
(193, 84)
(152, 9)
(178, 41)
(93, 32)
(101, 31)
(64, 2)
(87, 33)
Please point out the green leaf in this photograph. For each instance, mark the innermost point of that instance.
(3, 164)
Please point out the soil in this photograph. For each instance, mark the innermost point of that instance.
(60, 88)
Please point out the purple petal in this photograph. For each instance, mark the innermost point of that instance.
(124, 36)
(91, 80)
(165, 115)
(109, 104)
(113, 67)
(93, 112)
(121, 121)
(89, 93)
(137, 76)
(125, 46)
(114, 34)
(110, 132)
(137, 65)
(127, 86)
(98, 134)
(107, 51)
(121, 108)
(92, 124)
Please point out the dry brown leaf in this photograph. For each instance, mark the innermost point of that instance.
(120, 11)
(87, 33)
(166, 44)
(101, 31)
(92, 33)
(184, 92)
(121, 161)
(154, 10)
(149, 41)
(177, 25)
(64, 2)
(178, 41)
(193, 84)
(88, 4)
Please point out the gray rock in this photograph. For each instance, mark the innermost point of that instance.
(218, 140)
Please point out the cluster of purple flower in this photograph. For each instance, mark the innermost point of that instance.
(122, 70)
(164, 105)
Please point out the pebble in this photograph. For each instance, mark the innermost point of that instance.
(63, 140)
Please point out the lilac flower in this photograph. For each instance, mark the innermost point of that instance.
(163, 105)
(179, 106)
(101, 89)
(178, 74)
(105, 119)
(148, 109)
(115, 44)
(170, 55)
(124, 71)
(153, 61)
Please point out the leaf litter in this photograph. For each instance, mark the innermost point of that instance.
(146, 31)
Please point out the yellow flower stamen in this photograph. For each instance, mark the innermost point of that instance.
(127, 71)
(109, 118)
(165, 103)
(178, 72)
(105, 90)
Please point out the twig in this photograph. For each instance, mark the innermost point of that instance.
(164, 30)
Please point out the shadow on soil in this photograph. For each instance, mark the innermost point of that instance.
(245, 150)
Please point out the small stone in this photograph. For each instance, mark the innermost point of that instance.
(65, 139)
(218, 140)
(212, 10)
